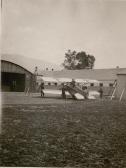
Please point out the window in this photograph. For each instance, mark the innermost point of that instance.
(111, 84)
(49, 83)
(55, 84)
(92, 84)
(101, 84)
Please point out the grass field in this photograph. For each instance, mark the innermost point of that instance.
(88, 134)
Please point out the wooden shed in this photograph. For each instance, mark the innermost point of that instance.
(121, 86)
(15, 78)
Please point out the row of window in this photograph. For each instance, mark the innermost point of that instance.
(101, 84)
(91, 84)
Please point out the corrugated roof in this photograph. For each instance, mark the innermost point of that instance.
(19, 70)
(29, 63)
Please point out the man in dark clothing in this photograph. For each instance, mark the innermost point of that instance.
(63, 92)
(101, 92)
(85, 90)
(42, 88)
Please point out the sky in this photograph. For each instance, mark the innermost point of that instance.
(46, 29)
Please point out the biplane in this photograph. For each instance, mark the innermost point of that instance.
(65, 87)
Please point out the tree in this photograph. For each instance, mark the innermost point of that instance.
(70, 60)
(91, 61)
(80, 60)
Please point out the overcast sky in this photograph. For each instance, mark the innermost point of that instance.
(46, 29)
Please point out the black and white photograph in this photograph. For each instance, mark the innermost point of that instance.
(63, 83)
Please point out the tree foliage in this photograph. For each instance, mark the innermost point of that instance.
(80, 60)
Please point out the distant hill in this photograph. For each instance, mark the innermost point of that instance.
(29, 63)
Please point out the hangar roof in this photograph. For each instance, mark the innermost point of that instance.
(8, 66)
(29, 63)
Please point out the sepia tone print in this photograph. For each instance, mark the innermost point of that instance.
(63, 83)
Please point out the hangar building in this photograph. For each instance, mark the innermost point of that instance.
(15, 77)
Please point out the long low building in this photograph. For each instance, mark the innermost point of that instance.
(105, 76)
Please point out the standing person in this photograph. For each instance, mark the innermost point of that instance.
(42, 88)
(85, 90)
(63, 92)
(101, 92)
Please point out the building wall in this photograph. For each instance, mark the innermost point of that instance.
(121, 84)
(15, 71)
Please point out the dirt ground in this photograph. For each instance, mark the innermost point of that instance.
(52, 132)
(32, 98)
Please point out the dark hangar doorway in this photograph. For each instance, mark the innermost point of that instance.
(13, 82)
